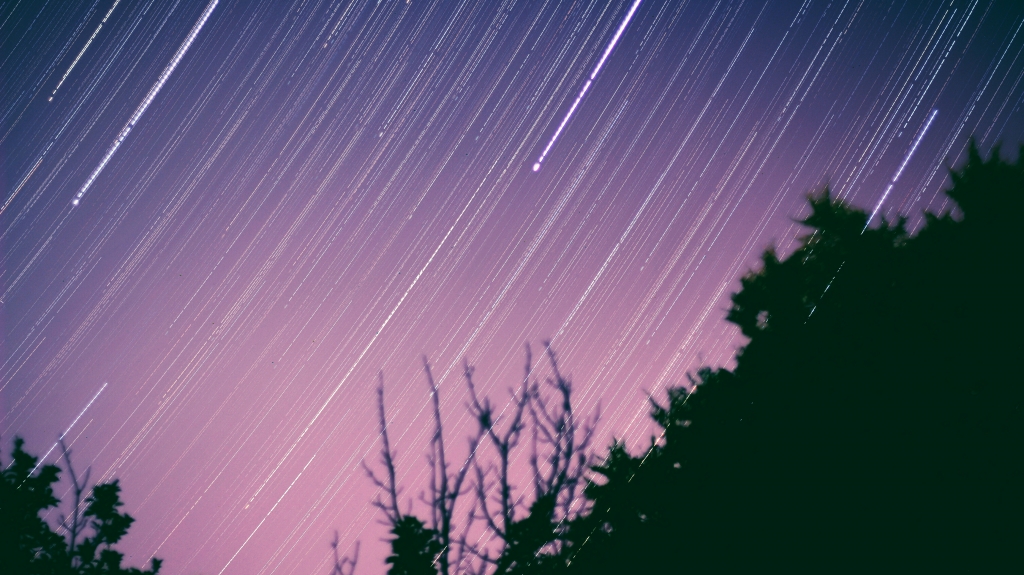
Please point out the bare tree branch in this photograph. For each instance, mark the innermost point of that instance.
(482, 487)
(558, 459)
(74, 525)
(560, 451)
(389, 507)
(341, 563)
(445, 489)
(503, 443)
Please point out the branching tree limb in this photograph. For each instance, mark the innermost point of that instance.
(445, 488)
(510, 534)
(83, 542)
(76, 523)
(344, 565)
(558, 459)
(504, 443)
(387, 484)
(560, 443)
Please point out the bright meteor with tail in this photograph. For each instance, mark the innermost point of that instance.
(68, 430)
(147, 101)
(334, 189)
(903, 165)
(586, 86)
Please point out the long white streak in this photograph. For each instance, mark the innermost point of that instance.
(903, 164)
(586, 86)
(21, 184)
(84, 48)
(148, 100)
(68, 430)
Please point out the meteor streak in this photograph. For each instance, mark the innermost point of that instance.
(586, 86)
(68, 430)
(899, 171)
(892, 182)
(148, 99)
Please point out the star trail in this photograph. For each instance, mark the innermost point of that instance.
(127, 129)
(586, 86)
(273, 201)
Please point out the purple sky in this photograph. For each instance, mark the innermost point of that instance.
(313, 191)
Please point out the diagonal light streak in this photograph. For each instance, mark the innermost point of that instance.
(82, 51)
(586, 86)
(68, 430)
(337, 388)
(168, 70)
(903, 164)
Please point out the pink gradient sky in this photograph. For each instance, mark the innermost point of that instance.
(322, 190)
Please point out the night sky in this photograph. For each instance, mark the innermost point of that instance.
(279, 199)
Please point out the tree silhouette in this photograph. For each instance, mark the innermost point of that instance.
(874, 419)
(82, 544)
(344, 565)
(415, 548)
(27, 543)
(516, 538)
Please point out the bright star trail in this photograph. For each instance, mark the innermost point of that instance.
(145, 102)
(903, 166)
(280, 199)
(68, 430)
(586, 85)
(84, 48)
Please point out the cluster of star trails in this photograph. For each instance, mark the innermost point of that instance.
(273, 201)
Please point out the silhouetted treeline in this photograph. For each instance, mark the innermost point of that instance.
(82, 544)
(872, 423)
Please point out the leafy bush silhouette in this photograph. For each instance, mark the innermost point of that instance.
(28, 545)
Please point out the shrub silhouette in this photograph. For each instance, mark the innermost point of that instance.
(28, 545)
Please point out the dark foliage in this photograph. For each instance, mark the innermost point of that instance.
(29, 546)
(415, 548)
(26, 542)
(874, 420)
